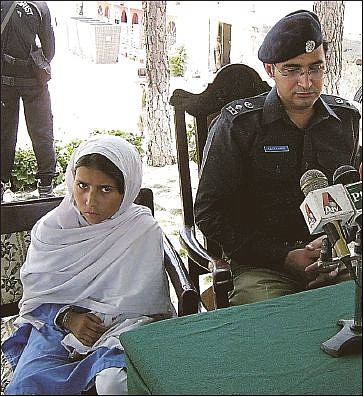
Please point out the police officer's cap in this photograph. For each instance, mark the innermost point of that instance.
(297, 33)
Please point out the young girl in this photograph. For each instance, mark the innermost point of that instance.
(94, 269)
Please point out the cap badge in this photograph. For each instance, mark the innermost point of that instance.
(310, 45)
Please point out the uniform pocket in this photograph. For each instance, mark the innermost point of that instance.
(275, 165)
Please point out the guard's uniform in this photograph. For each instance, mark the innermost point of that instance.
(28, 20)
(249, 202)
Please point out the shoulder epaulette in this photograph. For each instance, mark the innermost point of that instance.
(245, 105)
(336, 101)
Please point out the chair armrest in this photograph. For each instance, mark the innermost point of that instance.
(9, 309)
(222, 279)
(220, 268)
(188, 297)
(194, 249)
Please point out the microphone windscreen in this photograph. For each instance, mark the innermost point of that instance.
(313, 180)
(345, 175)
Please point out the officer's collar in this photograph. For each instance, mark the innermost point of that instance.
(328, 109)
(322, 112)
(273, 109)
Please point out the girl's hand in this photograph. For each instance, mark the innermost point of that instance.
(86, 327)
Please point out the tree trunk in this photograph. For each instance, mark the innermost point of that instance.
(158, 127)
(331, 15)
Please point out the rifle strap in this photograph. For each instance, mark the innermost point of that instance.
(7, 16)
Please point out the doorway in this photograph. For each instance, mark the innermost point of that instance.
(225, 33)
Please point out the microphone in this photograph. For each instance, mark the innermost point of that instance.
(346, 174)
(325, 260)
(325, 208)
(323, 204)
(350, 178)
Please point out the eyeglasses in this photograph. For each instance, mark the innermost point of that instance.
(316, 72)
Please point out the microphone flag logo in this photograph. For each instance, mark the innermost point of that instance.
(329, 204)
(325, 205)
(310, 216)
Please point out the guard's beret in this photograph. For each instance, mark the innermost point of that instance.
(297, 33)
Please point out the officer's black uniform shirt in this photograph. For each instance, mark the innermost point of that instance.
(249, 193)
(28, 20)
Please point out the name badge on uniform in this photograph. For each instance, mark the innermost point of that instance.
(276, 148)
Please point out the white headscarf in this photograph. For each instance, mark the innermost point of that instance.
(112, 267)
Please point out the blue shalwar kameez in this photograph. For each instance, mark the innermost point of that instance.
(38, 357)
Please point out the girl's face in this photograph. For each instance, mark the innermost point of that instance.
(95, 194)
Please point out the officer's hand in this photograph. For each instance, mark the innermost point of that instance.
(324, 276)
(315, 244)
(316, 267)
(297, 261)
(86, 327)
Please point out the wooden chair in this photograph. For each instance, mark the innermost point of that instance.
(18, 218)
(233, 81)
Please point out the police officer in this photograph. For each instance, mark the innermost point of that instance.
(249, 192)
(27, 21)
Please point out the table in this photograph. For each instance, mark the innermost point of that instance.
(270, 347)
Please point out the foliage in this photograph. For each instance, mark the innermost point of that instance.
(135, 140)
(182, 253)
(63, 154)
(191, 138)
(24, 170)
(177, 62)
(25, 164)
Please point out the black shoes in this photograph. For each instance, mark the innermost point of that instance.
(41, 192)
(45, 191)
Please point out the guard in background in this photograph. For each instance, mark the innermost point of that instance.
(249, 193)
(18, 80)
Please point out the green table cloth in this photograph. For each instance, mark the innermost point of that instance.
(270, 348)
